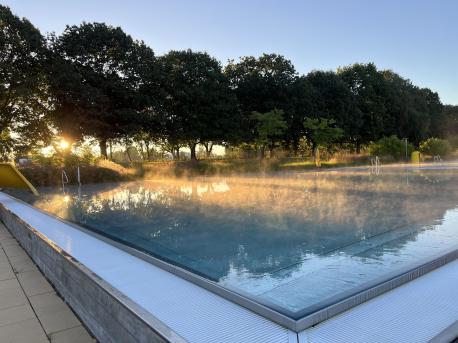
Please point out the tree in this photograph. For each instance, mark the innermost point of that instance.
(269, 127)
(391, 146)
(332, 99)
(24, 104)
(435, 147)
(368, 88)
(261, 85)
(451, 114)
(321, 132)
(411, 112)
(451, 132)
(198, 104)
(103, 82)
(300, 102)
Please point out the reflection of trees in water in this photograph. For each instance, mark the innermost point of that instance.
(259, 225)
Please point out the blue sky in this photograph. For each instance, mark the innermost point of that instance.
(416, 38)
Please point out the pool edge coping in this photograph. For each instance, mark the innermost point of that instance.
(159, 327)
(351, 298)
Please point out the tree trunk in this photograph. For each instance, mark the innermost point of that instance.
(142, 151)
(262, 152)
(295, 147)
(192, 146)
(111, 150)
(208, 149)
(128, 153)
(316, 155)
(271, 151)
(358, 147)
(103, 147)
(177, 153)
(148, 154)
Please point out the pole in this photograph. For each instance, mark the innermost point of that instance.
(78, 175)
(405, 139)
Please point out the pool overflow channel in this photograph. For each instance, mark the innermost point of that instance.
(296, 321)
(307, 317)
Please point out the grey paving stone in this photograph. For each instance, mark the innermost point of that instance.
(6, 272)
(13, 250)
(75, 335)
(23, 332)
(9, 241)
(18, 256)
(11, 294)
(48, 319)
(22, 266)
(53, 313)
(34, 283)
(16, 314)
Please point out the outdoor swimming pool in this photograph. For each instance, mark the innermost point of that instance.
(294, 243)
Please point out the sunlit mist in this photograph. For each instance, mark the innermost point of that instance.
(272, 236)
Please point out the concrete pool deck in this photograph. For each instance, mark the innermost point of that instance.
(30, 309)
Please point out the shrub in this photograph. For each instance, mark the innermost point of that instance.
(391, 146)
(435, 146)
(453, 140)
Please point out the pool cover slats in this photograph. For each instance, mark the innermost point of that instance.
(193, 312)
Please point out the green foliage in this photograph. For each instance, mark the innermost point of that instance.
(95, 81)
(198, 104)
(321, 131)
(435, 147)
(102, 80)
(262, 84)
(269, 126)
(24, 97)
(391, 146)
(451, 124)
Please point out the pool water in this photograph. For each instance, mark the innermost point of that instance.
(290, 242)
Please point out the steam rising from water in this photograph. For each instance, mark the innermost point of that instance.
(289, 239)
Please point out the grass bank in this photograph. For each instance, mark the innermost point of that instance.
(227, 167)
(102, 171)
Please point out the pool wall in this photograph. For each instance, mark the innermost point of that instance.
(108, 314)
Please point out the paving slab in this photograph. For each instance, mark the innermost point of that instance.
(75, 335)
(21, 332)
(34, 283)
(16, 314)
(53, 313)
(30, 309)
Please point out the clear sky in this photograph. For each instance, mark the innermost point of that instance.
(416, 38)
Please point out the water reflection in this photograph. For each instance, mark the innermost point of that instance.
(264, 235)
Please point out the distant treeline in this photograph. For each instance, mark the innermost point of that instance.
(95, 81)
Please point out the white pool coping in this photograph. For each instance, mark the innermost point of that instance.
(191, 311)
(414, 312)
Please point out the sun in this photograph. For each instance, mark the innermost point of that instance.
(64, 144)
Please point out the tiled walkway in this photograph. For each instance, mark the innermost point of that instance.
(30, 309)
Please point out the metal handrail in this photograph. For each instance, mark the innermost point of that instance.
(64, 179)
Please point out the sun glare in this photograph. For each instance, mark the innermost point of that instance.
(64, 144)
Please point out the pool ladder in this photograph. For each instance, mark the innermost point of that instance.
(375, 165)
(64, 177)
(64, 180)
(437, 159)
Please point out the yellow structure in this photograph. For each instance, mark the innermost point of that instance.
(11, 177)
(415, 157)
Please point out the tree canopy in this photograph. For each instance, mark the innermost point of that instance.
(96, 81)
(198, 104)
(24, 103)
(99, 77)
(269, 128)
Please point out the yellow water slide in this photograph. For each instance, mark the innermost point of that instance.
(11, 177)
